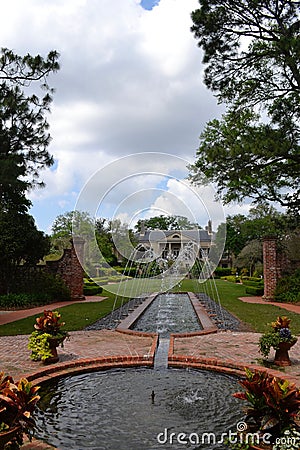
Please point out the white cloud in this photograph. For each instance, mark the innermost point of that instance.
(130, 82)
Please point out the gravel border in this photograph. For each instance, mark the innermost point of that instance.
(223, 319)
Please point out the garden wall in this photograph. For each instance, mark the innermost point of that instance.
(68, 267)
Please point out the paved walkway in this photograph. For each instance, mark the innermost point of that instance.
(8, 316)
(229, 352)
(288, 306)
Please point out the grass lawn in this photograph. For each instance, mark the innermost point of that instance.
(76, 316)
(79, 315)
(256, 316)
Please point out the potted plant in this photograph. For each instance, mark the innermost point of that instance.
(48, 335)
(273, 406)
(17, 402)
(281, 339)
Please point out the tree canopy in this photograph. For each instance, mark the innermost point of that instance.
(166, 223)
(25, 99)
(251, 49)
(24, 135)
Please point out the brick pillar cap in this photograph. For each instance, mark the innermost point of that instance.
(270, 238)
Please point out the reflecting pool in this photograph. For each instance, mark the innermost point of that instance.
(139, 409)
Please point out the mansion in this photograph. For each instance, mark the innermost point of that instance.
(172, 242)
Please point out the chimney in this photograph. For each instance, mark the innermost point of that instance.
(142, 232)
(209, 227)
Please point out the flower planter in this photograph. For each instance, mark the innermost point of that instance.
(282, 356)
(53, 343)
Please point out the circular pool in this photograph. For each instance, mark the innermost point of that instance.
(139, 409)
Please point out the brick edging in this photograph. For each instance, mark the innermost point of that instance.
(224, 366)
(89, 365)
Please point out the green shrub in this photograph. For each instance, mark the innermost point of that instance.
(40, 285)
(92, 289)
(254, 279)
(23, 300)
(35, 288)
(288, 288)
(254, 290)
(222, 272)
(129, 271)
(231, 278)
(259, 283)
(51, 285)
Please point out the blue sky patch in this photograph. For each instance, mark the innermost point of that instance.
(149, 4)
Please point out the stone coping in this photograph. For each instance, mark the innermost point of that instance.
(200, 311)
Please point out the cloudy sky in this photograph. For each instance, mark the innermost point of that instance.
(130, 83)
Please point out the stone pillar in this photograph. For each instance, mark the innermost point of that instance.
(270, 267)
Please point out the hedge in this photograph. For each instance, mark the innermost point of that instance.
(288, 288)
(24, 300)
(92, 289)
(258, 284)
(254, 290)
(222, 272)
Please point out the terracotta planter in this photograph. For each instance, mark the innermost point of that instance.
(282, 356)
(54, 343)
(6, 436)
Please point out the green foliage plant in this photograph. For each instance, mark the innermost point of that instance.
(252, 290)
(280, 332)
(39, 346)
(47, 327)
(17, 403)
(222, 272)
(92, 289)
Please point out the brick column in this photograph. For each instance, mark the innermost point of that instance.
(75, 271)
(270, 267)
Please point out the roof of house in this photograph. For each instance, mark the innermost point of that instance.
(161, 235)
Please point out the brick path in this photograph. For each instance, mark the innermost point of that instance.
(229, 352)
(83, 351)
(288, 306)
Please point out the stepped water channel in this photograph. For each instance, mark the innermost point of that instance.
(167, 313)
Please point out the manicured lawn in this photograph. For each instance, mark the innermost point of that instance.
(79, 315)
(76, 316)
(255, 315)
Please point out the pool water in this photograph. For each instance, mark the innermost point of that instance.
(169, 313)
(139, 409)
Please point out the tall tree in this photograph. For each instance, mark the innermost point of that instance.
(261, 221)
(167, 223)
(24, 136)
(24, 139)
(64, 225)
(252, 53)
